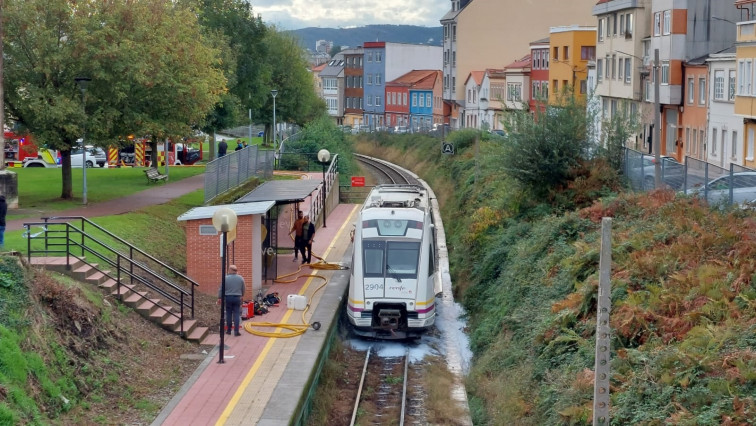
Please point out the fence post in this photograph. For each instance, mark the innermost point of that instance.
(603, 330)
(731, 183)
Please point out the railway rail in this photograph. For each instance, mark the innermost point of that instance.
(390, 392)
(384, 172)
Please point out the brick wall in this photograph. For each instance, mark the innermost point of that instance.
(203, 262)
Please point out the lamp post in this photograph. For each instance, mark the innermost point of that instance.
(224, 221)
(250, 120)
(83, 81)
(324, 157)
(274, 93)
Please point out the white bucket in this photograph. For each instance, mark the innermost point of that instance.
(296, 302)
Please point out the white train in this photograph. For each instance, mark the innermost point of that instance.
(394, 265)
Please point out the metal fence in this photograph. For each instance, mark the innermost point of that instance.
(235, 168)
(736, 185)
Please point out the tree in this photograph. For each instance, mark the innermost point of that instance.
(541, 150)
(335, 50)
(153, 72)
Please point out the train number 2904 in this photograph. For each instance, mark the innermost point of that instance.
(373, 287)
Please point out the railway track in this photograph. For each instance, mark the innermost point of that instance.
(390, 392)
(384, 172)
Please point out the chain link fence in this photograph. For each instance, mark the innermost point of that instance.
(718, 185)
(235, 168)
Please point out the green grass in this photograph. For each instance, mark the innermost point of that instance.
(39, 188)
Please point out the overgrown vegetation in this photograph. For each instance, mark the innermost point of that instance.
(525, 255)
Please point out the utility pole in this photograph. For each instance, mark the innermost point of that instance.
(601, 385)
(657, 122)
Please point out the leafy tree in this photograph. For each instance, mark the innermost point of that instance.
(541, 150)
(153, 73)
(297, 101)
(335, 50)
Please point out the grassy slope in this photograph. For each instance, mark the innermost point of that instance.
(684, 310)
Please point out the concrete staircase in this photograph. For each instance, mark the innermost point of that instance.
(153, 309)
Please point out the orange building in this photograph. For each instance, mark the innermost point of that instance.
(690, 140)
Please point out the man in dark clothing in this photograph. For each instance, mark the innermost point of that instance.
(222, 147)
(234, 294)
(3, 212)
(308, 233)
(296, 229)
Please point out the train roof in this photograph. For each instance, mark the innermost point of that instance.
(397, 196)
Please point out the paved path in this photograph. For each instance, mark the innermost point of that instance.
(157, 194)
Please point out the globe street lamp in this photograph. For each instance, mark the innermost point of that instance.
(83, 81)
(274, 92)
(224, 221)
(324, 156)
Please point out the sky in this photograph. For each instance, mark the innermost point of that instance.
(295, 14)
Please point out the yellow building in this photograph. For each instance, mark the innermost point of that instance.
(570, 48)
(745, 92)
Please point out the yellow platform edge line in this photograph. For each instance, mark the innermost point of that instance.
(260, 359)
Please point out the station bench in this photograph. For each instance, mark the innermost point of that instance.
(153, 175)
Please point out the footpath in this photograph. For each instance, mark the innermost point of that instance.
(158, 194)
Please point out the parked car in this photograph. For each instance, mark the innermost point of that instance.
(94, 156)
(498, 132)
(401, 129)
(346, 129)
(642, 171)
(717, 191)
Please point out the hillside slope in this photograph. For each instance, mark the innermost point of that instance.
(683, 294)
(354, 37)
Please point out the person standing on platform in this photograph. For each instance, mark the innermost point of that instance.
(308, 233)
(234, 294)
(296, 228)
(222, 147)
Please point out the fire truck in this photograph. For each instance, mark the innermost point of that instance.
(20, 151)
(139, 153)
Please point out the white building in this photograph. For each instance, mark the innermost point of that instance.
(722, 119)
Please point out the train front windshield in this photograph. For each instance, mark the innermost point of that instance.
(391, 259)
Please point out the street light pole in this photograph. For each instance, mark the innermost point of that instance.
(324, 156)
(274, 93)
(224, 221)
(83, 81)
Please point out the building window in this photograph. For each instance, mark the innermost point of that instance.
(750, 145)
(621, 69)
(731, 86)
(628, 69)
(614, 67)
(378, 79)
(377, 101)
(446, 56)
(370, 57)
(545, 89)
(691, 88)
(428, 102)
(454, 58)
(583, 87)
(587, 53)
(628, 25)
(667, 22)
(719, 85)
(546, 59)
(702, 141)
(601, 30)
(566, 50)
(600, 69)
(714, 141)
(702, 91)
(514, 92)
(556, 53)
(687, 140)
(446, 32)
(734, 147)
(369, 79)
(657, 23)
(555, 86)
(378, 56)
(693, 147)
(420, 100)
(622, 24)
(414, 98)
(370, 100)
(608, 59)
(536, 89)
(665, 72)
(748, 77)
(454, 33)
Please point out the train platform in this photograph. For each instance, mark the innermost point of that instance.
(263, 380)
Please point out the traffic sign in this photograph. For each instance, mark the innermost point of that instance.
(447, 148)
(358, 180)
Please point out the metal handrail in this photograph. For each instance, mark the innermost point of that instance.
(50, 240)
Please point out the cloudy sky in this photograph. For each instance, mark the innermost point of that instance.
(294, 14)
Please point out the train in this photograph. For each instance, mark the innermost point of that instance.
(394, 265)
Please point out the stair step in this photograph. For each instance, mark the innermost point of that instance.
(159, 314)
(147, 307)
(135, 298)
(108, 285)
(198, 334)
(170, 322)
(124, 290)
(189, 325)
(98, 277)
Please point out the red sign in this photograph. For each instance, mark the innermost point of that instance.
(358, 180)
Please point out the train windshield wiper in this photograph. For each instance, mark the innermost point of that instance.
(393, 273)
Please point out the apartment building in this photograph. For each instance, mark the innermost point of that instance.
(727, 147)
(621, 69)
(332, 92)
(571, 48)
(745, 96)
(484, 34)
(385, 61)
(353, 91)
(539, 73)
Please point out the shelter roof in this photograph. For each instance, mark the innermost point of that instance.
(281, 191)
(206, 212)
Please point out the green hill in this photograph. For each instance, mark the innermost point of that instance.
(357, 36)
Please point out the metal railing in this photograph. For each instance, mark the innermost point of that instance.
(59, 237)
(235, 168)
(718, 185)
